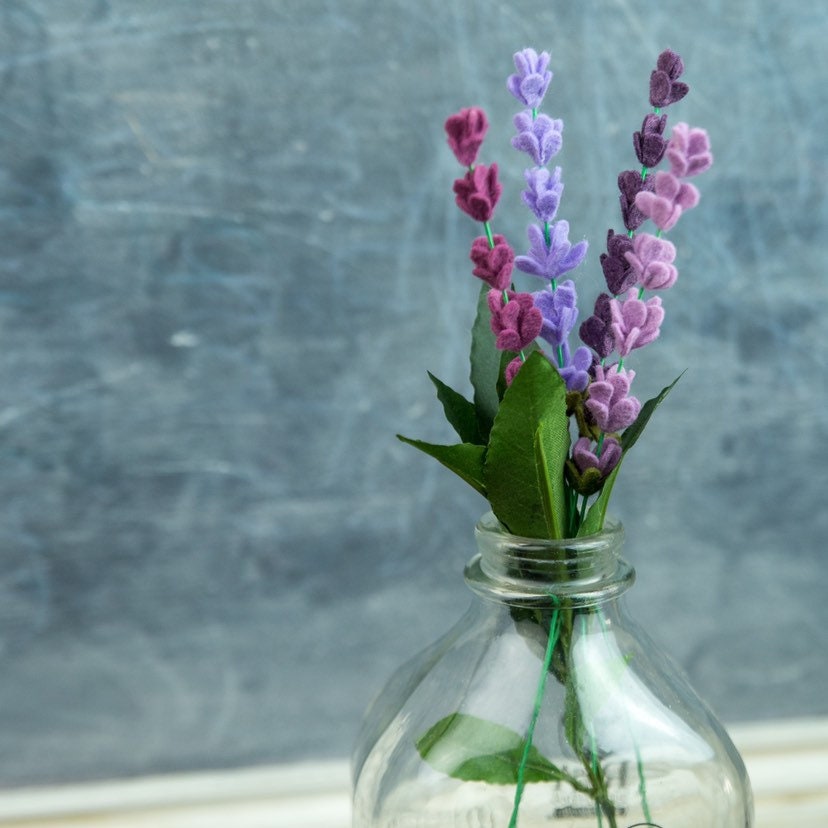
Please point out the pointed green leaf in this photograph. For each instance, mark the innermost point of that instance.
(475, 750)
(511, 471)
(464, 459)
(485, 365)
(633, 432)
(459, 412)
(551, 446)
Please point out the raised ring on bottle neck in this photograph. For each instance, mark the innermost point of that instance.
(573, 571)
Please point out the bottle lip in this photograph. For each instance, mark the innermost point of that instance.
(578, 571)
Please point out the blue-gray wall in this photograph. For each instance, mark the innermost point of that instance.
(228, 254)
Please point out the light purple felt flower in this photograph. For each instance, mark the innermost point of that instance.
(465, 131)
(575, 368)
(541, 138)
(585, 458)
(648, 142)
(651, 260)
(669, 199)
(635, 323)
(597, 330)
(543, 192)
(688, 151)
(609, 402)
(532, 79)
(515, 323)
(559, 310)
(478, 191)
(665, 89)
(493, 264)
(550, 262)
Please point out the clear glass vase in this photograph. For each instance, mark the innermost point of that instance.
(545, 706)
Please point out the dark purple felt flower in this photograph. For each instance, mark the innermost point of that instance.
(618, 272)
(543, 192)
(665, 89)
(609, 402)
(651, 260)
(688, 151)
(532, 79)
(575, 368)
(515, 323)
(597, 330)
(478, 192)
(635, 323)
(630, 184)
(585, 457)
(559, 257)
(649, 142)
(493, 264)
(668, 200)
(539, 137)
(465, 131)
(559, 309)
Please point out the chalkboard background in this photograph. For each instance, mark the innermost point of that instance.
(229, 253)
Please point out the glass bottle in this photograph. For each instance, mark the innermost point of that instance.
(545, 705)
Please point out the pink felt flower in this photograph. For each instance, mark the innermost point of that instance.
(652, 259)
(635, 323)
(688, 151)
(609, 402)
(478, 191)
(668, 200)
(512, 368)
(493, 264)
(517, 322)
(465, 132)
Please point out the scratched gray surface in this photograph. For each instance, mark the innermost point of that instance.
(229, 253)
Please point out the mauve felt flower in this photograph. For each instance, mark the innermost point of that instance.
(559, 309)
(597, 330)
(651, 260)
(648, 143)
(630, 183)
(585, 458)
(515, 323)
(532, 79)
(618, 272)
(512, 368)
(575, 368)
(668, 200)
(493, 264)
(478, 191)
(635, 323)
(553, 261)
(540, 137)
(665, 89)
(543, 192)
(688, 151)
(609, 402)
(466, 131)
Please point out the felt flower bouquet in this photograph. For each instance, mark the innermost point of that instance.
(550, 423)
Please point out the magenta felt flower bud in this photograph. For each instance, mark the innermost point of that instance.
(465, 131)
(585, 458)
(532, 79)
(540, 137)
(665, 89)
(493, 264)
(512, 368)
(635, 323)
(609, 402)
(648, 143)
(515, 323)
(688, 151)
(478, 192)
(618, 272)
(669, 199)
(651, 260)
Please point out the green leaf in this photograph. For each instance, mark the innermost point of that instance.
(536, 400)
(485, 365)
(464, 459)
(476, 750)
(630, 436)
(594, 520)
(460, 413)
(551, 445)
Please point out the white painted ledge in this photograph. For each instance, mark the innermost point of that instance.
(787, 761)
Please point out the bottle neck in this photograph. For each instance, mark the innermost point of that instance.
(574, 572)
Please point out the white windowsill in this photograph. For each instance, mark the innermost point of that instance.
(787, 761)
